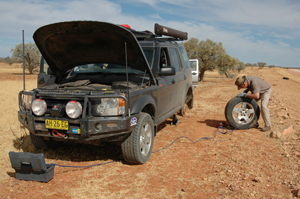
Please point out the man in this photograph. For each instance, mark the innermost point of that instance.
(259, 90)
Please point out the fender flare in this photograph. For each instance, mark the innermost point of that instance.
(141, 103)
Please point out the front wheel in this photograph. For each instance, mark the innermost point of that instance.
(137, 148)
(242, 112)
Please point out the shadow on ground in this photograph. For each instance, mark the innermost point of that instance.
(212, 123)
(74, 152)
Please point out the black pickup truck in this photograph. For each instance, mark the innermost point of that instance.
(102, 82)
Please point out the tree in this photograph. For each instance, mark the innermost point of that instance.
(9, 60)
(211, 55)
(261, 64)
(31, 55)
(227, 64)
(248, 64)
(240, 66)
(191, 47)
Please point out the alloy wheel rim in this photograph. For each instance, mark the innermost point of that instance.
(145, 139)
(243, 113)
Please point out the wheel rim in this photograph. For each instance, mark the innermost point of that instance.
(183, 109)
(243, 113)
(146, 139)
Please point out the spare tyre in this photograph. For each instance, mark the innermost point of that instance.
(243, 112)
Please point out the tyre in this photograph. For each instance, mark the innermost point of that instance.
(183, 109)
(137, 148)
(189, 103)
(243, 112)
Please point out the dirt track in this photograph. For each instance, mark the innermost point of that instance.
(239, 164)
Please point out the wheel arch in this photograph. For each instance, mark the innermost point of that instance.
(145, 104)
(188, 89)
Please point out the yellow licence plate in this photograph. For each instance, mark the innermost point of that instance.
(57, 124)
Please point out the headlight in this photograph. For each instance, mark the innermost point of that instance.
(73, 109)
(26, 102)
(39, 107)
(110, 106)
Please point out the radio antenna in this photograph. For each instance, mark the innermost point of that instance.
(23, 60)
(127, 78)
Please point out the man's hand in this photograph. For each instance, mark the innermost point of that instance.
(242, 95)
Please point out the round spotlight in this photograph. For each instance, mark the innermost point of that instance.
(73, 109)
(39, 107)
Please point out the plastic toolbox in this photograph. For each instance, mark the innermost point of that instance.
(30, 166)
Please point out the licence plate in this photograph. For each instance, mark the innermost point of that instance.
(57, 124)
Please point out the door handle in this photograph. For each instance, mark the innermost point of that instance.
(173, 81)
(184, 77)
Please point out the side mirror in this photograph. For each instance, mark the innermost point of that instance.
(167, 71)
(49, 71)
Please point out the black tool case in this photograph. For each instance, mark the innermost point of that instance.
(30, 166)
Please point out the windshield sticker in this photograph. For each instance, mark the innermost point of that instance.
(133, 121)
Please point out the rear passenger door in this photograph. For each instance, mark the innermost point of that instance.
(180, 77)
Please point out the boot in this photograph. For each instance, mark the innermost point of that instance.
(266, 128)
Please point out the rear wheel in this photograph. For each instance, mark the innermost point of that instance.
(188, 104)
(243, 112)
(183, 109)
(137, 148)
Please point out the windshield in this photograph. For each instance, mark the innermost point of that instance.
(104, 68)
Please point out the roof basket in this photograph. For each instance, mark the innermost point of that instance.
(163, 30)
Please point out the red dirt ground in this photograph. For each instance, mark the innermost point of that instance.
(239, 164)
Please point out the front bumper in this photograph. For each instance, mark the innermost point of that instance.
(82, 129)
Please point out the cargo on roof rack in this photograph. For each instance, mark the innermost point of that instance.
(173, 35)
(163, 30)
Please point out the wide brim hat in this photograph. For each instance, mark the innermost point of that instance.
(239, 82)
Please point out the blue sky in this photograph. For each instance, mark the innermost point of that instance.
(250, 30)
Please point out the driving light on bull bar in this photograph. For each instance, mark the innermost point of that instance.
(39, 107)
(73, 109)
(26, 102)
(111, 106)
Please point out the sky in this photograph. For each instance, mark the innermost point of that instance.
(250, 30)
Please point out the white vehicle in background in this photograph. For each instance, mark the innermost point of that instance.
(195, 71)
